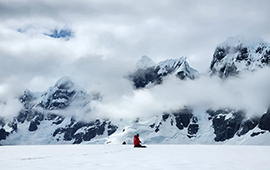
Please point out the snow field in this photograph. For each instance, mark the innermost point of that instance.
(155, 157)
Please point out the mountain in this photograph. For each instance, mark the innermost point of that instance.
(48, 117)
(239, 54)
(198, 126)
(148, 73)
(63, 114)
(145, 62)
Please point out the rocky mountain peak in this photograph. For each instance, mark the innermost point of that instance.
(64, 83)
(59, 96)
(148, 73)
(238, 54)
(64, 113)
(145, 62)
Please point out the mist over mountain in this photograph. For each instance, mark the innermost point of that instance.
(148, 73)
(167, 102)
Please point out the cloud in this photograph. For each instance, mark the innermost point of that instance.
(130, 29)
(109, 37)
(249, 92)
(9, 104)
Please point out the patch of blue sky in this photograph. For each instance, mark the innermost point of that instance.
(65, 33)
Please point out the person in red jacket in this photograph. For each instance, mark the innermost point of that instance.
(137, 142)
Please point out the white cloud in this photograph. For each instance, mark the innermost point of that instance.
(109, 37)
(249, 92)
(9, 103)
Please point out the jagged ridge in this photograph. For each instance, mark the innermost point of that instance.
(148, 73)
(239, 54)
(40, 110)
(40, 118)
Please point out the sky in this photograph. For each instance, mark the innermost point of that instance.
(96, 42)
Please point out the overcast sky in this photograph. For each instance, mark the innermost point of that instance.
(109, 37)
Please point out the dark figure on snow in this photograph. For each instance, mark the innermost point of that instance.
(137, 142)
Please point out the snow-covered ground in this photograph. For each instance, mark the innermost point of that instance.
(86, 157)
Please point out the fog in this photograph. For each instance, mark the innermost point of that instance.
(107, 40)
(248, 92)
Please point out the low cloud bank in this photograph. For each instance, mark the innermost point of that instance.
(249, 92)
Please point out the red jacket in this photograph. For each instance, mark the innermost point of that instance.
(136, 140)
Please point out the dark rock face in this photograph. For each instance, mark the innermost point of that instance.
(26, 99)
(165, 116)
(247, 125)
(220, 52)
(3, 134)
(28, 115)
(60, 96)
(33, 126)
(218, 55)
(266, 57)
(264, 122)
(181, 119)
(142, 77)
(154, 74)
(236, 52)
(227, 68)
(225, 128)
(56, 119)
(256, 133)
(181, 75)
(192, 129)
(90, 131)
(227, 123)
(40, 110)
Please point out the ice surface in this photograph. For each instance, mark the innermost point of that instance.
(115, 157)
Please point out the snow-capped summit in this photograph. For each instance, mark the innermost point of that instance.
(145, 62)
(59, 96)
(178, 67)
(66, 114)
(52, 117)
(248, 41)
(64, 83)
(148, 73)
(237, 54)
(170, 64)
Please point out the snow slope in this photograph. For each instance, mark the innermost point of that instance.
(114, 157)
